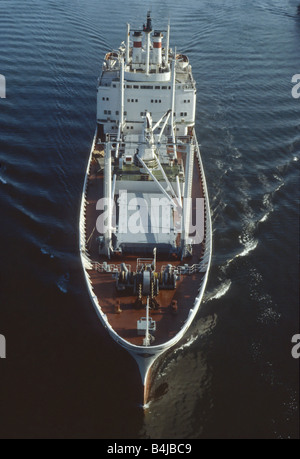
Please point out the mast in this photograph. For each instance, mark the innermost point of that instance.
(167, 44)
(127, 44)
(122, 94)
(121, 121)
(189, 166)
(107, 246)
(173, 100)
(147, 336)
(148, 30)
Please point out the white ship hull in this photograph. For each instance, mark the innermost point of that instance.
(145, 154)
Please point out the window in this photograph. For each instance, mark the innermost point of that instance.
(132, 100)
(136, 86)
(164, 87)
(157, 87)
(105, 112)
(146, 87)
(107, 98)
(128, 100)
(125, 113)
(129, 86)
(136, 100)
(117, 112)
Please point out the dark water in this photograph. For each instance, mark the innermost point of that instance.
(235, 377)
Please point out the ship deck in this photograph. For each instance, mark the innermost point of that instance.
(168, 322)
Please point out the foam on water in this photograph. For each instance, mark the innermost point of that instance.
(63, 283)
(219, 291)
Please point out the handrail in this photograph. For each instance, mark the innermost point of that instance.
(186, 269)
(108, 268)
(113, 268)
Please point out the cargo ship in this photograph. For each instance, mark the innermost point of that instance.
(145, 225)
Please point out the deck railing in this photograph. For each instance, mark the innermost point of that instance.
(183, 270)
(108, 268)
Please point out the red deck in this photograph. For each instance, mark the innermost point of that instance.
(168, 323)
